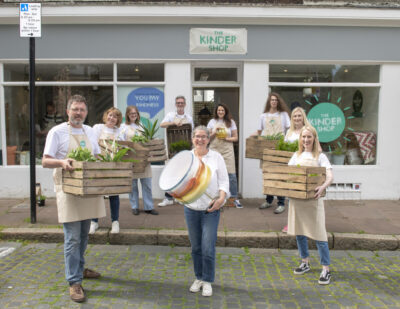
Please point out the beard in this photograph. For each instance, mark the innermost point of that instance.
(76, 121)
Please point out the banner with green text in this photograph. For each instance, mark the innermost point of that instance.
(218, 41)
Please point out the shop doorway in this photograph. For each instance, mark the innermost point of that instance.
(205, 99)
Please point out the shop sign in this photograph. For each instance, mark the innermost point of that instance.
(147, 100)
(329, 121)
(218, 41)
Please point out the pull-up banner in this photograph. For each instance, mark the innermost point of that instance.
(218, 41)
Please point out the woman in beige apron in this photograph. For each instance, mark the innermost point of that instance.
(274, 120)
(112, 119)
(224, 133)
(306, 218)
(130, 129)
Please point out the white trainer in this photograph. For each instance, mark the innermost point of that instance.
(115, 227)
(196, 286)
(166, 202)
(93, 227)
(207, 289)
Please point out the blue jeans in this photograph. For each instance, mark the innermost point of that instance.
(202, 228)
(281, 199)
(114, 207)
(75, 242)
(233, 185)
(146, 194)
(322, 246)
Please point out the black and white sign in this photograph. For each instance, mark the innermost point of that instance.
(30, 20)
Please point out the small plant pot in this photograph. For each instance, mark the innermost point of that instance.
(338, 159)
(41, 203)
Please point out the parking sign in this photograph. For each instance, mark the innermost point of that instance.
(30, 20)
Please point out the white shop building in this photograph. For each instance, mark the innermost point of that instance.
(147, 55)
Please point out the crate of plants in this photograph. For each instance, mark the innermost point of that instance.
(156, 146)
(255, 145)
(281, 155)
(179, 138)
(138, 154)
(107, 176)
(293, 181)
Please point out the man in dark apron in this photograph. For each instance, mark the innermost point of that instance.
(74, 212)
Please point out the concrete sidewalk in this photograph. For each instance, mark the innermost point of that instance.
(371, 225)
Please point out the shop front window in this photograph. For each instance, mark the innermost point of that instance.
(345, 117)
(50, 110)
(140, 72)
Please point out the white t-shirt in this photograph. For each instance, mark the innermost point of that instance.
(322, 159)
(219, 179)
(285, 121)
(293, 137)
(169, 117)
(98, 129)
(57, 140)
(211, 124)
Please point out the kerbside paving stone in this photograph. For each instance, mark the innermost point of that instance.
(160, 276)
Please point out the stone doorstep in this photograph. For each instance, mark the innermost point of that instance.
(337, 241)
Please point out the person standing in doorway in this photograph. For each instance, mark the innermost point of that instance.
(74, 212)
(223, 133)
(274, 120)
(178, 118)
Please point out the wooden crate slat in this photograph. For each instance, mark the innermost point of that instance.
(255, 146)
(98, 173)
(280, 153)
(288, 177)
(97, 182)
(286, 185)
(286, 193)
(110, 190)
(275, 159)
(101, 165)
(157, 158)
(316, 179)
(157, 153)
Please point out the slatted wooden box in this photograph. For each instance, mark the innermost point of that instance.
(255, 146)
(98, 178)
(157, 151)
(276, 157)
(293, 181)
(178, 133)
(140, 154)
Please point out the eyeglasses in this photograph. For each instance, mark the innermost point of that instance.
(132, 114)
(180, 103)
(200, 136)
(78, 110)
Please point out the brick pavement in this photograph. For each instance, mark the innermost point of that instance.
(159, 277)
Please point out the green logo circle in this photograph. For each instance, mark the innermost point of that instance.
(328, 119)
(82, 144)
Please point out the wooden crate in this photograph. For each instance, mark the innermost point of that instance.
(276, 157)
(157, 150)
(175, 134)
(292, 181)
(140, 154)
(255, 146)
(98, 178)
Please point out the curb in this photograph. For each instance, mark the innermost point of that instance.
(271, 240)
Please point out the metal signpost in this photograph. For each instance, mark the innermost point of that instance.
(30, 27)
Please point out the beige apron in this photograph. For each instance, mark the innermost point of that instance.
(307, 217)
(183, 120)
(225, 148)
(129, 133)
(70, 207)
(106, 136)
(273, 125)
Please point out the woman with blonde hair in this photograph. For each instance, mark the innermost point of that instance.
(306, 218)
(109, 129)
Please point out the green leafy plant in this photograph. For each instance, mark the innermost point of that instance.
(81, 154)
(273, 137)
(114, 152)
(42, 197)
(338, 151)
(287, 146)
(148, 131)
(138, 139)
(179, 146)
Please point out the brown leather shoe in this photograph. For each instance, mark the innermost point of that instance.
(77, 293)
(90, 274)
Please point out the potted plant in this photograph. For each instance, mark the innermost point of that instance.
(338, 156)
(41, 200)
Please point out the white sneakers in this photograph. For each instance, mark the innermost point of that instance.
(93, 227)
(115, 227)
(166, 202)
(198, 285)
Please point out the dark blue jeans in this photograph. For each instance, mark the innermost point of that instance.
(281, 199)
(114, 207)
(202, 228)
